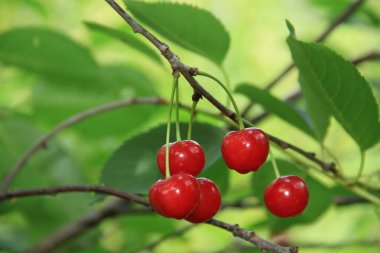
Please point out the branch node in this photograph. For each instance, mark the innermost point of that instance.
(193, 71)
(196, 96)
(235, 230)
(293, 249)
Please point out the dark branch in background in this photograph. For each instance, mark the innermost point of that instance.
(120, 207)
(244, 234)
(348, 12)
(295, 95)
(73, 230)
(74, 188)
(42, 142)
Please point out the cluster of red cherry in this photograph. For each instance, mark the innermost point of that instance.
(182, 196)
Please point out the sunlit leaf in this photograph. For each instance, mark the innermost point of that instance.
(340, 88)
(276, 106)
(190, 27)
(128, 39)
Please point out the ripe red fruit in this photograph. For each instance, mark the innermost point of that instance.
(245, 150)
(184, 157)
(209, 202)
(175, 197)
(286, 196)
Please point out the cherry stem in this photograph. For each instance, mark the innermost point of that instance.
(228, 84)
(361, 168)
(178, 131)
(192, 115)
(238, 115)
(274, 163)
(174, 86)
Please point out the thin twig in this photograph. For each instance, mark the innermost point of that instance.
(234, 229)
(348, 12)
(42, 142)
(74, 188)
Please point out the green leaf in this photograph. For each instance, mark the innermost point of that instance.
(62, 62)
(218, 173)
(318, 112)
(127, 39)
(276, 106)
(190, 27)
(340, 88)
(45, 51)
(320, 197)
(133, 168)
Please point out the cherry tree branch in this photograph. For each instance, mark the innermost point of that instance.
(347, 13)
(252, 237)
(120, 207)
(244, 234)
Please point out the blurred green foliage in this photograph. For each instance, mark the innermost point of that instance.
(58, 58)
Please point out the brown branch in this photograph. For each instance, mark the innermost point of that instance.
(42, 142)
(247, 235)
(252, 237)
(348, 12)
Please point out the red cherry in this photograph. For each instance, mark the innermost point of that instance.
(245, 150)
(175, 197)
(286, 196)
(209, 202)
(184, 157)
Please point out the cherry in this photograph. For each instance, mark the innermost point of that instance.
(245, 150)
(184, 157)
(209, 202)
(286, 196)
(175, 197)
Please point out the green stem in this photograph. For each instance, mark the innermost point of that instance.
(336, 160)
(167, 169)
(238, 115)
(361, 168)
(274, 163)
(178, 131)
(192, 114)
(365, 194)
(248, 122)
(228, 85)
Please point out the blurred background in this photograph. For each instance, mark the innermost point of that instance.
(31, 105)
